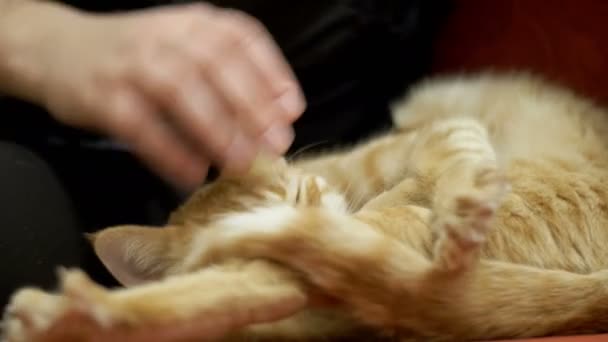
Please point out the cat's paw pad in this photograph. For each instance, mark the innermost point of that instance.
(464, 223)
(470, 222)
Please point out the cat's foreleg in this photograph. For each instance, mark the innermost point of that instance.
(409, 191)
(446, 158)
(366, 170)
(458, 168)
(382, 274)
(453, 237)
(344, 256)
(179, 305)
(450, 154)
(388, 285)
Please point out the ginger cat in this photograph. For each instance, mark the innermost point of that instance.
(483, 215)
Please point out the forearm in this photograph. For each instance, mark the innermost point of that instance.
(24, 26)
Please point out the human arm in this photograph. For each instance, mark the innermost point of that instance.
(182, 86)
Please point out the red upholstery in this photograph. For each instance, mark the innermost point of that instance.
(588, 338)
(566, 40)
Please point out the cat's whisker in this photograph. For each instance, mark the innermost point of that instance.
(305, 148)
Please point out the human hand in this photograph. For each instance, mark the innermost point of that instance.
(182, 86)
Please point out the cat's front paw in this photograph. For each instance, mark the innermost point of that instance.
(32, 312)
(465, 220)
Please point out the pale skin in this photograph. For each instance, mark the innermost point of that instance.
(182, 86)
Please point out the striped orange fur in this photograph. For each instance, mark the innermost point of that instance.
(483, 214)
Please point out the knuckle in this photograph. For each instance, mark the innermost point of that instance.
(119, 106)
(231, 37)
(192, 20)
(233, 30)
(162, 80)
(244, 21)
(208, 60)
(125, 121)
(194, 17)
(89, 100)
(195, 8)
(201, 9)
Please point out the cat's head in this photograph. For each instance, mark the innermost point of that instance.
(268, 182)
(136, 254)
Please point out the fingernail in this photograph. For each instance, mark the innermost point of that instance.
(292, 102)
(278, 138)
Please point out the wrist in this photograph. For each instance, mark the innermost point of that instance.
(26, 27)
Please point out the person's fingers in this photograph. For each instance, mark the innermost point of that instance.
(252, 96)
(138, 125)
(197, 110)
(247, 95)
(266, 56)
(217, 75)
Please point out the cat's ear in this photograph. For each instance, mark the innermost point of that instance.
(134, 254)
